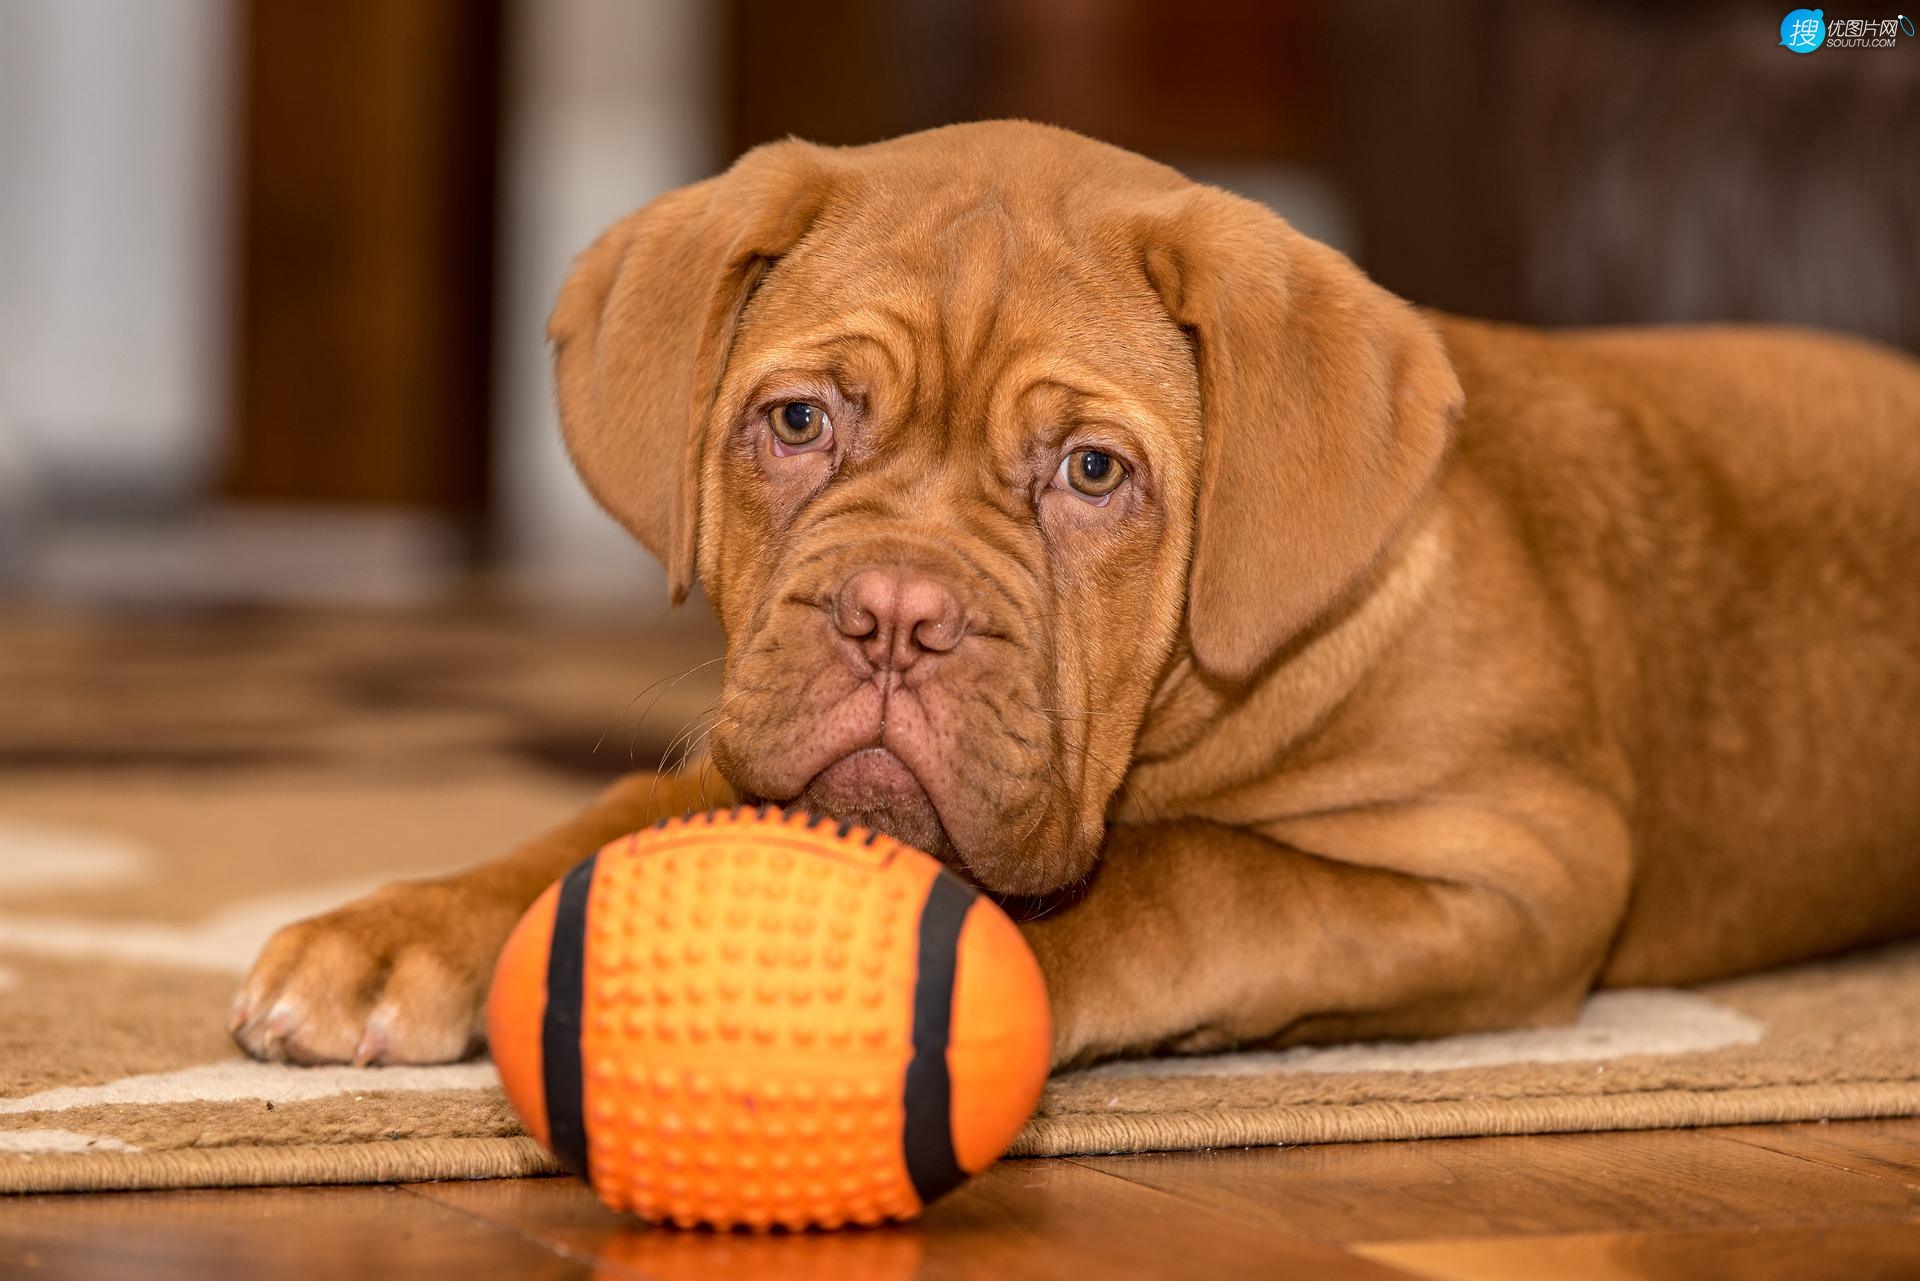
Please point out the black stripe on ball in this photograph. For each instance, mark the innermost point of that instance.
(928, 1133)
(560, 1029)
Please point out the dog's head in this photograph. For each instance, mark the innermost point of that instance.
(971, 437)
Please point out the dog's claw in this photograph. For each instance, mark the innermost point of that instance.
(238, 1014)
(373, 1041)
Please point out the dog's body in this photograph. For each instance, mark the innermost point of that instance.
(1415, 675)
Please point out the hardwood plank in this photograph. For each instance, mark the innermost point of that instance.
(362, 1233)
(1760, 1201)
(558, 1212)
(1020, 1219)
(1883, 1149)
(1858, 1252)
(1556, 1183)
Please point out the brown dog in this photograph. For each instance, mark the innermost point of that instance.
(1354, 673)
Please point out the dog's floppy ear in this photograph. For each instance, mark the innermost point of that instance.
(1327, 405)
(642, 329)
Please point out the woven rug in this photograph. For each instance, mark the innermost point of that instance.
(171, 789)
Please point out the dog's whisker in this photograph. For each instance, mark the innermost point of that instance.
(695, 743)
(669, 681)
(690, 727)
(634, 738)
(689, 732)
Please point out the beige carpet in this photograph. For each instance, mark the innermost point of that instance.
(172, 789)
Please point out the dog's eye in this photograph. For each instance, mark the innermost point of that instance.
(1092, 473)
(799, 427)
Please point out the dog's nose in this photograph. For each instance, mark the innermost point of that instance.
(896, 618)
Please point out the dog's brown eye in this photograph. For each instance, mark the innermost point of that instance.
(1093, 473)
(797, 423)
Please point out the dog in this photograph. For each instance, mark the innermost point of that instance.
(1324, 668)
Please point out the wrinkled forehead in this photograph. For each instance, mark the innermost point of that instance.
(968, 290)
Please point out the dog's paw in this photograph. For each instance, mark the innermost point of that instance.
(397, 977)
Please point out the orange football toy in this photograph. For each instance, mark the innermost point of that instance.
(755, 1018)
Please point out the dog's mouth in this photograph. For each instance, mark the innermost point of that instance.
(875, 788)
(937, 765)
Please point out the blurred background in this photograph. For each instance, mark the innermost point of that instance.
(274, 275)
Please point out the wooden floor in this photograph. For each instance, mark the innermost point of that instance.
(1799, 1201)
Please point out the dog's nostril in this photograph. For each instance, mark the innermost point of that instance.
(897, 617)
(940, 633)
(853, 621)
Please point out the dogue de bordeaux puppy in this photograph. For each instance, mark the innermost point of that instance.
(1324, 668)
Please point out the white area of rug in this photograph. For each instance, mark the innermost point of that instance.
(44, 1141)
(35, 858)
(225, 942)
(1611, 1025)
(244, 1079)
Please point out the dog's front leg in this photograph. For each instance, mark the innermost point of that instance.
(1193, 937)
(401, 975)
